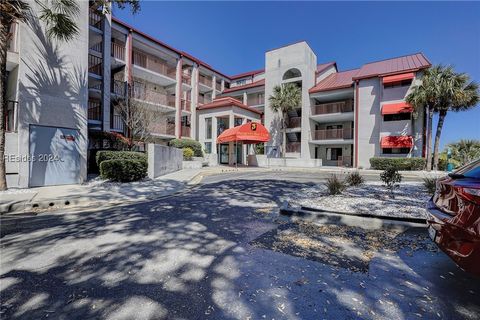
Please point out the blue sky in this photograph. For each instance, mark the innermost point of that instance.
(233, 36)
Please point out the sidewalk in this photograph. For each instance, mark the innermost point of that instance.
(94, 192)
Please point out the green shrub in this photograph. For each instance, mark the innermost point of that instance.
(354, 179)
(430, 184)
(187, 154)
(120, 155)
(405, 164)
(335, 185)
(187, 143)
(391, 179)
(123, 170)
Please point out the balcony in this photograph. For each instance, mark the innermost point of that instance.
(95, 65)
(118, 88)
(11, 116)
(218, 86)
(186, 105)
(163, 127)
(255, 100)
(293, 147)
(117, 123)
(205, 81)
(94, 110)
(185, 131)
(294, 122)
(153, 97)
(118, 51)
(95, 20)
(333, 134)
(147, 64)
(333, 112)
(13, 57)
(204, 100)
(186, 78)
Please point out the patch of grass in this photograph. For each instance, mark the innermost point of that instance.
(354, 179)
(430, 184)
(335, 185)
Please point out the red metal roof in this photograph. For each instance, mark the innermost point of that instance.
(396, 142)
(412, 62)
(321, 67)
(227, 102)
(247, 74)
(334, 81)
(258, 83)
(394, 108)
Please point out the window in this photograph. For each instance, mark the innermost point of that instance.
(396, 150)
(397, 116)
(237, 122)
(334, 126)
(241, 82)
(334, 153)
(208, 128)
(403, 83)
(185, 121)
(292, 73)
(208, 147)
(222, 125)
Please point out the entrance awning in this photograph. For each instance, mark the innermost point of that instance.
(394, 108)
(248, 133)
(397, 142)
(398, 77)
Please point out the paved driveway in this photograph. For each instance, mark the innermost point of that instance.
(189, 257)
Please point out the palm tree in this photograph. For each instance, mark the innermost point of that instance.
(59, 17)
(285, 97)
(465, 150)
(424, 97)
(457, 93)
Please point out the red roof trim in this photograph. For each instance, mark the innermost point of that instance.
(227, 102)
(246, 74)
(259, 83)
(163, 44)
(325, 66)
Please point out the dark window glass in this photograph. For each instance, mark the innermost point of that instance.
(208, 147)
(403, 83)
(396, 150)
(397, 116)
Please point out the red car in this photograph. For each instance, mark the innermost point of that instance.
(454, 216)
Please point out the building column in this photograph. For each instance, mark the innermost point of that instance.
(214, 89)
(194, 102)
(107, 47)
(178, 98)
(222, 86)
(245, 98)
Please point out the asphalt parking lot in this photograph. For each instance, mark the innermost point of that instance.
(203, 254)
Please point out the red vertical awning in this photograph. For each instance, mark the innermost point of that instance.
(394, 108)
(396, 142)
(398, 77)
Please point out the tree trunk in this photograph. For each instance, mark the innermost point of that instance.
(429, 138)
(4, 29)
(441, 120)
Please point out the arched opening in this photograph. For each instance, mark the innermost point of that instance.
(292, 73)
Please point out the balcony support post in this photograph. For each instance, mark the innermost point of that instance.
(178, 98)
(106, 86)
(214, 89)
(194, 101)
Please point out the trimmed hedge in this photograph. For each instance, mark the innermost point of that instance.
(104, 155)
(405, 164)
(123, 170)
(187, 143)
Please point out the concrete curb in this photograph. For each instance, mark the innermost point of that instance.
(366, 221)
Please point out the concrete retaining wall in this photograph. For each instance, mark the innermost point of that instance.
(194, 164)
(163, 160)
(263, 161)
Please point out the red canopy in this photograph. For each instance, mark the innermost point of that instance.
(393, 108)
(248, 133)
(396, 142)
(399, 77)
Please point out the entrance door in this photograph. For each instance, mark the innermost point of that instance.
(224, 153)
(239, 153)
(55, 156)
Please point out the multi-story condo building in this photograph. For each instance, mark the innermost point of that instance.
(60, 104)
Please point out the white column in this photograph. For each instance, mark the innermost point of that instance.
(245, 98)
(222, 86)
(178, 98)
(214, 89)
(194, 102)
(107, 46)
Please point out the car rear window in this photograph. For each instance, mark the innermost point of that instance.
(471, 170)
